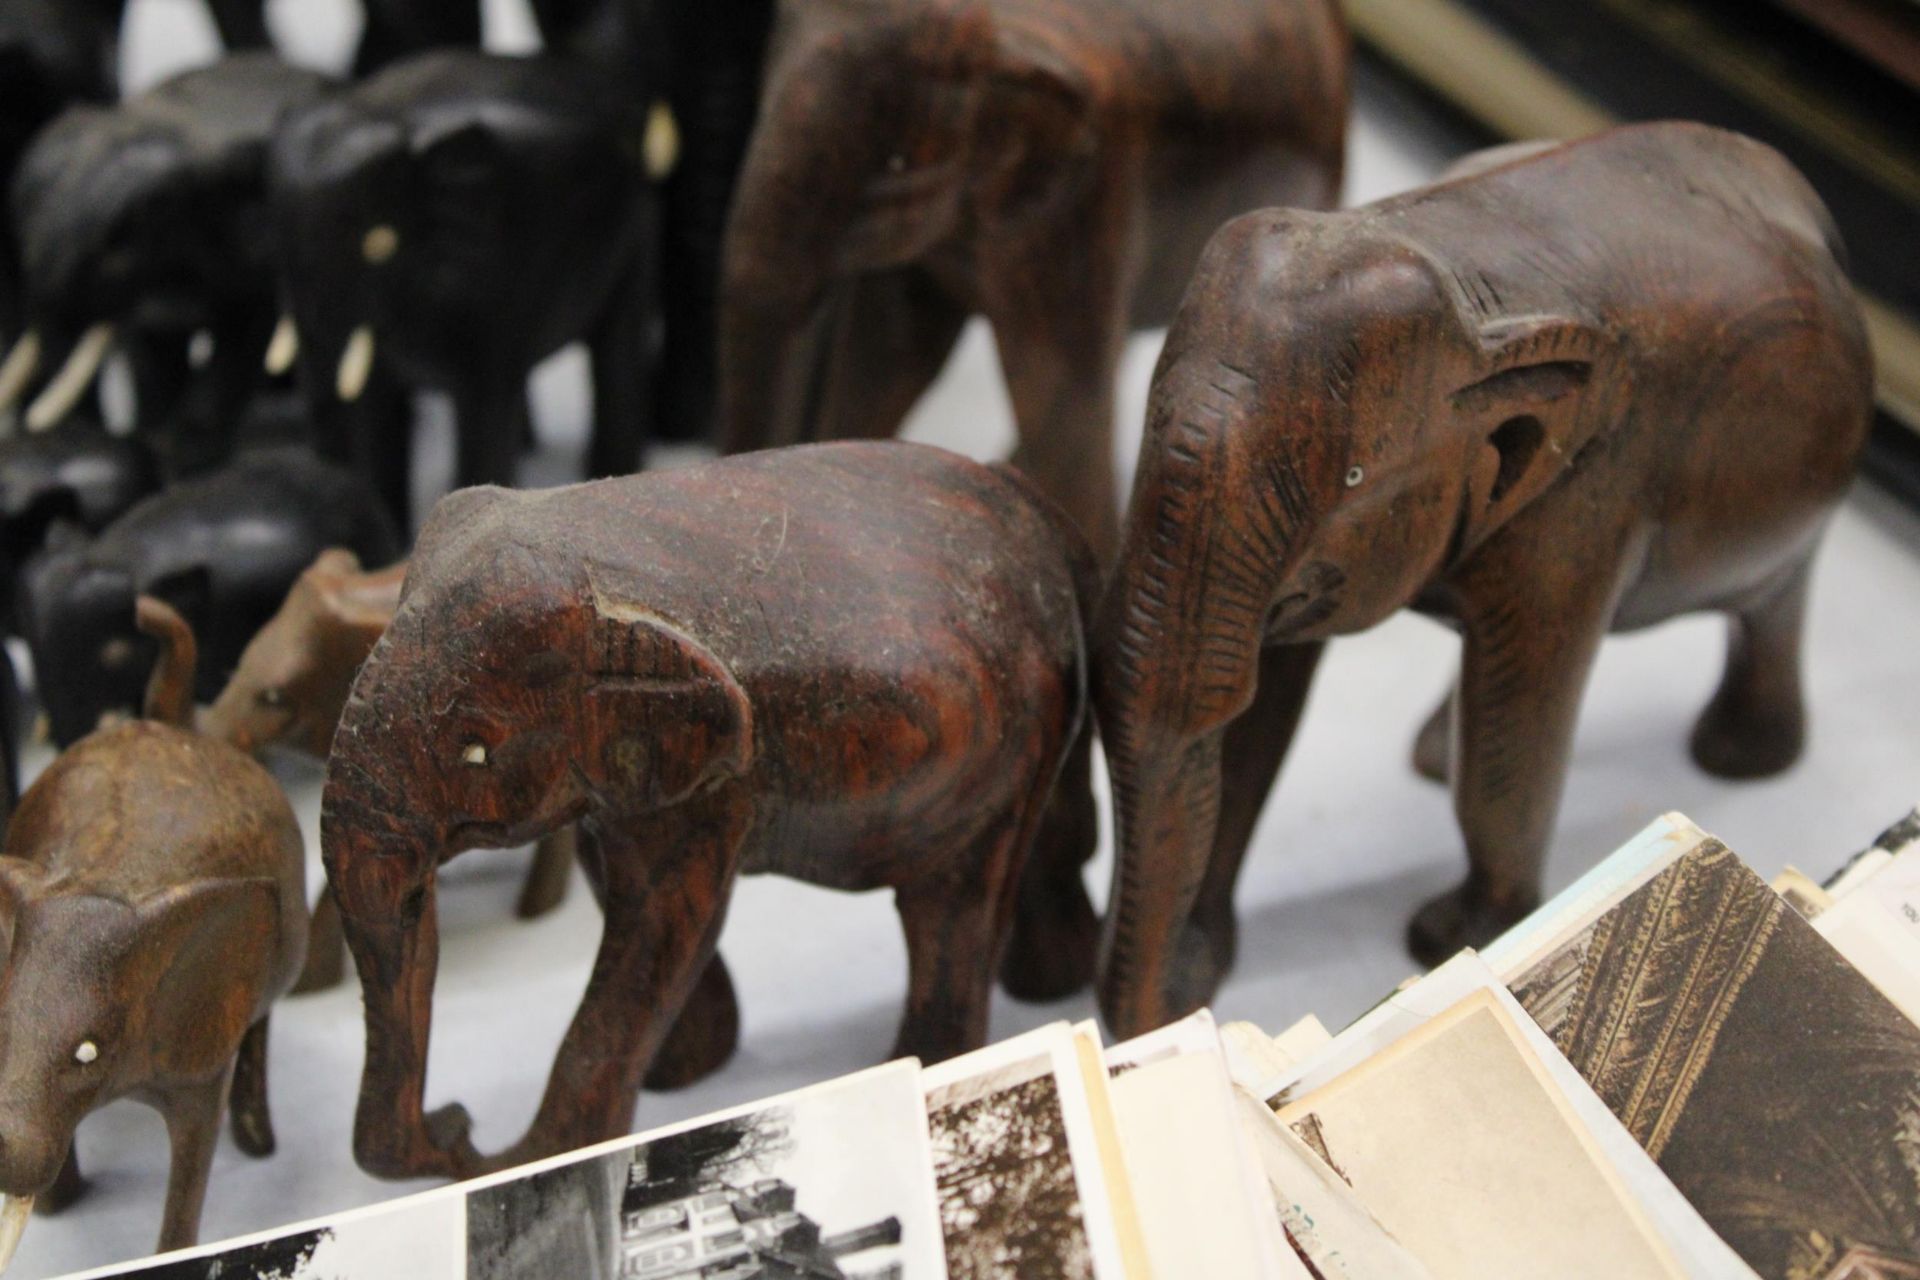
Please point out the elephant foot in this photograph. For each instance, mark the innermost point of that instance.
(449, 1132)
(1463, 917)
(67, 1187)
(1742, 742)
(1432, 746)
(704, 1036)
(1056, 936)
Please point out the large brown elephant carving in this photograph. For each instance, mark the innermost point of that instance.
(1053, 165)
(857, 664)
(1586, 389)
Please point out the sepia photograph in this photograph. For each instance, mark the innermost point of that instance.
(1017, 1166)
(831, 1183)
(1771, 1081)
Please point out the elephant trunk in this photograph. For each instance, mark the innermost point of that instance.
(1177, 655)
(380, 862)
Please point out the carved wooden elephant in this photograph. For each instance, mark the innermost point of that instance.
(860, 665)
(152, 908)
(1587, 389)
(1054, 166)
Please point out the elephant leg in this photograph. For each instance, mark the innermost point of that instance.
(1524, 667)
(1432, 746)
(251, 1120)
(68, 1186)
(1056, 933)
(193, 1127)
(666, 898)
(546, 884)
(704, 1036)
(492, 423)
(623, 366)
(326, 947)
(956, 927)
(1756, 724)
(242, 23)
(1062, 387)
(1251, 753)
(892, 334)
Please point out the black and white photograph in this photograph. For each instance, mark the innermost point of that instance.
(416, 1238)
(832, 1183)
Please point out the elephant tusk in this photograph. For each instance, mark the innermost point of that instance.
(356, 365)
(18, 369)
(285, 347)
(661, 147)
(13, 1225)
(64, 392)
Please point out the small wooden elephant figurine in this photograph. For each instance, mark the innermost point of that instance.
(152, 907)
(1586, 389)
(223, 549)
(1053, 165)
(143, 225)
(859, 665)
(290, 688)
(450, 223)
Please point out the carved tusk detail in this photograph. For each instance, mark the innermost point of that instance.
(64, 392)
(285, 347)
(13, 1225)
(19, 368)
(379, 244)
(661, 147)
(356, 365)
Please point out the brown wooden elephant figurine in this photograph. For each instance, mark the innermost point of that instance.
(152, 907)
(289, 689)
(860, 665)
(1586, 390)
(1053, 165)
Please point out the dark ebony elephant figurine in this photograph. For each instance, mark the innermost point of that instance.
(1585, 390)
(452, 222)
(1053, 165)
(146, 222)
(859, 665)
(152, 908)
(81, 476)
(222, 549)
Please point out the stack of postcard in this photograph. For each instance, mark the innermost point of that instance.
(1672, 1069)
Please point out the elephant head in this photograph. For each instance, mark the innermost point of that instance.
(878, 137)
(77, 616)
(101, 996)
(144, 217)
(293, 679)
(513, 692)
(1338, 422)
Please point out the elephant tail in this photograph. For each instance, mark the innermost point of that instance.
(170, 688)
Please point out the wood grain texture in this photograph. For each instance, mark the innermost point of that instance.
(1560, 393)
(860, 665)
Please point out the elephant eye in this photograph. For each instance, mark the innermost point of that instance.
(116, 653)
(1355, 475)
(274, 697)
(86, 1053)
(475, 754)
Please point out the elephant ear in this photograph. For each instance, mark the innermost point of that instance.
(20, 884)
(199, 954)
(1549, 387)
(669, 718)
